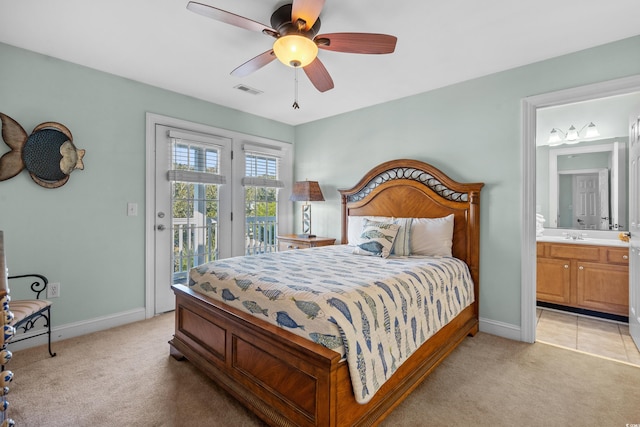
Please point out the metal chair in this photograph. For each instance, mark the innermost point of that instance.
(26, 313)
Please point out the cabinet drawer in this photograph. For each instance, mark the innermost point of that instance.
(284, 245)
(618, 255)
(540, 249)
(587, 253)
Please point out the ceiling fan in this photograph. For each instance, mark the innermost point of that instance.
(295, 27)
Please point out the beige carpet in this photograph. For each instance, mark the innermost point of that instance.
(125, 377)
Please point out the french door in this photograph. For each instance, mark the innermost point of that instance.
(192, 206)
(210, 194)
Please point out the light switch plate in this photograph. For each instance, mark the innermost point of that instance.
(132, 209)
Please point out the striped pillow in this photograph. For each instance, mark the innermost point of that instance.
(402, 244)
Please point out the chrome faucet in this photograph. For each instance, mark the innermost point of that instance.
(574, 236)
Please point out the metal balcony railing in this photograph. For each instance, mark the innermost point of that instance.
(195, 241)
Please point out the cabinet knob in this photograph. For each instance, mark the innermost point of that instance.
(581, 268)
(625, 256)
(566, 266)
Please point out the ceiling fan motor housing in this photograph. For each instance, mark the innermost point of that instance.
(282, 22)
(295, 46)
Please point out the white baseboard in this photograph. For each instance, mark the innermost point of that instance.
(71, 330)
(504, 330)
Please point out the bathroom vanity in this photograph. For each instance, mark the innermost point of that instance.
(590, 274)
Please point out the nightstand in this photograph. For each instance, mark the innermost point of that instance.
(292, 241)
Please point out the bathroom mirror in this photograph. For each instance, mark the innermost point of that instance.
(558, 167)
(583, 186)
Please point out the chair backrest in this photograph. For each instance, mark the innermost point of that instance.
(4, 273)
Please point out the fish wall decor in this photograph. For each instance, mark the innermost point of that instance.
(48, 154)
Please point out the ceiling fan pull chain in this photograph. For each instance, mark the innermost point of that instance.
(295, 105)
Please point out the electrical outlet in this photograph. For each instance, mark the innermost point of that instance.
(53, 290)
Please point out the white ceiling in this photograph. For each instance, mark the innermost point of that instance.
(161, 43)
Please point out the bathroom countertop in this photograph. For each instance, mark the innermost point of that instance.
(584, 241)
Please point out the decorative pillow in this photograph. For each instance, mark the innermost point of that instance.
(376, 239)
(432, 236)
(401, 246)
(355, 224)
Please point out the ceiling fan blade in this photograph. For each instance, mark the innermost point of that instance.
(308, 10)
(319, 75)
(228, 17)
(357, 42)
(254, 64)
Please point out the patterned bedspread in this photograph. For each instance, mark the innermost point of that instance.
(374, 311)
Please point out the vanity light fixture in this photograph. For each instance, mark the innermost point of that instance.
(572, 136)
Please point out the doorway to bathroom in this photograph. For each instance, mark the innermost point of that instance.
(532, 135)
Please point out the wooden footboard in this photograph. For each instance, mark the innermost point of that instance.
(285, 379)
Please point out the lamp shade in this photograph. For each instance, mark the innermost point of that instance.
(306, 191)
(295, 50)
(592, 131)
(572, 134)
(554, 137)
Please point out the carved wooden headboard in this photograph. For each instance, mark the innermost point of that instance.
(413, 189)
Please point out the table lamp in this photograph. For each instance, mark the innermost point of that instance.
(306, 191)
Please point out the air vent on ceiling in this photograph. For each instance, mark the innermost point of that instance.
(248, 89)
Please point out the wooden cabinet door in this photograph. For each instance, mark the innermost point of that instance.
(603, 287)
(554, 280)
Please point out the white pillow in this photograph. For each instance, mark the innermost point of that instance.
(376, 239)
(355, 224)
(432, 236)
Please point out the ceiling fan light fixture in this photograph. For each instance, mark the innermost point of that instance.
(295, 50)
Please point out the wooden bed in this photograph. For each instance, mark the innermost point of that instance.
(288, 380)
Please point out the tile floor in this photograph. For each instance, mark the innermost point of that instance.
(587, 334)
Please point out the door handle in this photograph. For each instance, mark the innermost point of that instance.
(160, 227)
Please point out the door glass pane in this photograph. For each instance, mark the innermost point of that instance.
(194, 210)
(261, 205)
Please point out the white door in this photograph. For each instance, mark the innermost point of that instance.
(192, 206)
(586, 201)
(634, 227)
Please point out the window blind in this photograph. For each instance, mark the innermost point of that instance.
(261, 167)
(195, 158)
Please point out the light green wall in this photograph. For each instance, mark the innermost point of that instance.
(469, 130)
(79, 234)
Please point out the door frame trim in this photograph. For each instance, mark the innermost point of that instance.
(529, 106)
